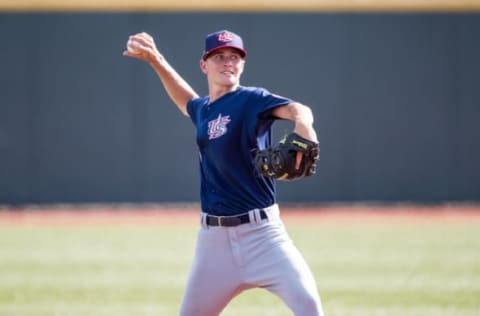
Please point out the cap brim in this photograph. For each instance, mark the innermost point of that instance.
(243, 52)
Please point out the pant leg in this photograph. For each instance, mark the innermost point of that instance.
(213, 279)
(295, 284)
(274, 263)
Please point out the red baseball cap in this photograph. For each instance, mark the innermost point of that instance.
(223, 39)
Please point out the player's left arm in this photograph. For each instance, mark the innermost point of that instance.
(301, 115)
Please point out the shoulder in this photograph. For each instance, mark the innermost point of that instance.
(252, 90)
(254, 93)
(199, 100)
(263, 95)
(195, 102)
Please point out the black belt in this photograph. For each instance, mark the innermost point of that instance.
(229, 221)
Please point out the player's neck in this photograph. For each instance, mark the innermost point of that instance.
(217, 91)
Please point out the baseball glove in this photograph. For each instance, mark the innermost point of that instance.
(279, 160)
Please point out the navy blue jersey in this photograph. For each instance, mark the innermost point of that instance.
(229, 130)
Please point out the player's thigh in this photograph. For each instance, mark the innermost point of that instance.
(295, 283)
(213, 280)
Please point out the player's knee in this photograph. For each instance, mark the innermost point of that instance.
(308, 306)
(200, 309)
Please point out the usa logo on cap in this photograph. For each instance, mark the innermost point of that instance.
(225, 37)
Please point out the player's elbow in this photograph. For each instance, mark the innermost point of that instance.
(303, 114)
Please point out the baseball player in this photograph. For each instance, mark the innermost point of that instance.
(242, 242)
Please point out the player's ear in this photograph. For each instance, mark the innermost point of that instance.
(203, 66)
(242, 67)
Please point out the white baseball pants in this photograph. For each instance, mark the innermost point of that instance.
(229, 260)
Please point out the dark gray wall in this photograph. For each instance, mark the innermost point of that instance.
(395, 97)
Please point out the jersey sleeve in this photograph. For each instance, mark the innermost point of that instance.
(193, 107)
(268, 102)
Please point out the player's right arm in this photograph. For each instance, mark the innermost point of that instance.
(177, 88)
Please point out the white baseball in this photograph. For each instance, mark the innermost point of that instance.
(132, 46)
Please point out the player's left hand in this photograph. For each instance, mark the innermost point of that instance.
(293, 158)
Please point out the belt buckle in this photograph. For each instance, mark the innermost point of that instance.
(220, 220)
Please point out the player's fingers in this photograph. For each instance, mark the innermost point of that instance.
(142, 39)
(138, 55)
(299, 160)
(145, 35)
(129, 54)
(135, 49)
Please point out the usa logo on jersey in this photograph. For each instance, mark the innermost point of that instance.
(218, 126)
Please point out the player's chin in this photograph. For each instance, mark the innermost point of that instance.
(229, 80)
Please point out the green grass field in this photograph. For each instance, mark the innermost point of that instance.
(366, 269)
